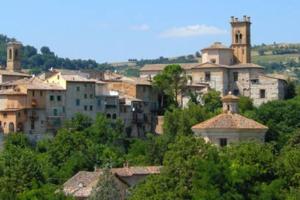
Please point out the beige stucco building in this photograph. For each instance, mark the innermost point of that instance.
(31, 106)
(229, 126)
(230, 69)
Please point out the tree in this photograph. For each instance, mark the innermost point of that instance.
(171, 81)
(212, 101)
(290, 90)
(245, 104)
(20, 171)
(107, 188)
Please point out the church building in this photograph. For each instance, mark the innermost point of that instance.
(229, 126)
(230, 69)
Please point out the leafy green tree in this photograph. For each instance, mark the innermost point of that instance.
(212, 101)
(180, 166)
(107, 188)
(171, 81)
(20, 171)
(245, 104)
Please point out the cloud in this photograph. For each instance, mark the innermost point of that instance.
(141, 27)
(192, 31)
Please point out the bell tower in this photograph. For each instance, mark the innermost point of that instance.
(13, 56)
(241, 39)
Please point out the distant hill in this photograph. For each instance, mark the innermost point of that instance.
(44, 59)
(276, 57)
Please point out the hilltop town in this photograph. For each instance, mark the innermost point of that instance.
(220, 127)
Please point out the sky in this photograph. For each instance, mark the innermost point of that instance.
(116, 30)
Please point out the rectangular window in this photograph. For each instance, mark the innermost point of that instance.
(33, 93)
(77, 102)
(58, 98)
(262, 94)
(91, 96)
(236, 92)
(85, 96)
(85, 108)
(223, 142)
(99, 102)
(235, 76)
(41, 93)
(78, 88)
(207, 76)
(32, 124)
(51, 98)
(55, 112)
(91, 108)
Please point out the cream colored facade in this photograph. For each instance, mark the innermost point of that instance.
(230, 69)
(31, 106)
(230, 127)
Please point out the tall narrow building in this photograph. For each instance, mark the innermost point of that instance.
(13, 56)
(241, 43)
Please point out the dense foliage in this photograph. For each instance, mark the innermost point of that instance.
(29, 171)
(45, 59)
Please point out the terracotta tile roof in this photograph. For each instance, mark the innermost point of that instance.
(245, 65)
(160, 67)
(131, 171)
(82, 184)
(77, 78)
(209, 65)
(217, 45)
(33, 83)
(229, 121)
(13, 73)
(136, 80)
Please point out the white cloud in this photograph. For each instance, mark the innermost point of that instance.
(141, 27)
(192, 31)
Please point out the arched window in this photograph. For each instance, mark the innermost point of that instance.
(238, 37)
(108, 116)
(11, 127)
(16, 53)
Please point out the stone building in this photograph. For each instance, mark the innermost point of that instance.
(31, 106)
(230, 69)
(229, 126)
(80, 186)
(138, 103)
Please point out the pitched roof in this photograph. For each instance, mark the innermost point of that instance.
(160, 67)
(13, 73)
(33, 83)
(131, 171)
(229, 121)
(217, 45)
(245, 65)
(77, 78)
(82, 184)
(209, 65)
